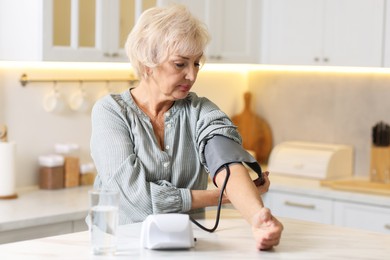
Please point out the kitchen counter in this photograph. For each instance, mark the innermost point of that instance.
(35, 207)
(313, 187)
(38, 213)
(232, 240)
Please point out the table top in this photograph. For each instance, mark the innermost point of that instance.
(232, 240)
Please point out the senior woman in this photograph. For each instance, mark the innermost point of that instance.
(157, 142)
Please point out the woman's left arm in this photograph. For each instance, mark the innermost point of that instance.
(245, 197)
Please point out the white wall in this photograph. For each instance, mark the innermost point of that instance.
(328, 106)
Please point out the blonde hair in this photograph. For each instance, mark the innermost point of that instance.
(162, 31)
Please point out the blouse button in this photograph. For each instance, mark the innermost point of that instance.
(167, 114)
(169, 125)
(167, 147)
(166, 164)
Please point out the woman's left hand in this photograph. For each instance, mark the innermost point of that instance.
(267, 230)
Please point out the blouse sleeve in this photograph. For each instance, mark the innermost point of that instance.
(118, 168)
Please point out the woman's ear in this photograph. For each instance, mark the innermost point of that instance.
(147, 72)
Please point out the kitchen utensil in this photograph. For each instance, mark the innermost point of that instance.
(381, 134)
(80, 102)
(255, 131)
(380, 153)
(53, 102)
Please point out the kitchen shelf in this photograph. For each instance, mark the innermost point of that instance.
(24, 80)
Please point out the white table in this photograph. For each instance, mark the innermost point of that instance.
(232, 240)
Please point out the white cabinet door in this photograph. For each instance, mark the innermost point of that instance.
(323, 32)
(292, 32)
(235, 31)
(21, 29)
(353, 32)
(234, 27)
(362, 216)
(67, 30)
(300, 207)
(98, 29)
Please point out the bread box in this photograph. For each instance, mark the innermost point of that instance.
(312, 160)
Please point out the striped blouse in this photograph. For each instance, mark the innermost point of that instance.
(128, 158)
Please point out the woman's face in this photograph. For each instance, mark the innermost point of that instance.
(175, 77)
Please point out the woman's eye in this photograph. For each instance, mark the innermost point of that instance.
(180, 65)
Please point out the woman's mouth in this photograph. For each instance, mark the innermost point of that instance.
(184, 87)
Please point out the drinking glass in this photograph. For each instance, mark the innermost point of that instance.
(104, 221)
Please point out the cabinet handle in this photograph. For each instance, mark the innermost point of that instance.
(215, 57)
(111, 55)
(316, 59)
(299, 205)
(325, 59)
(387, 226)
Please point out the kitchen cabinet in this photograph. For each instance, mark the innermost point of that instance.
(42, 231)
(306, 199)
(234, 27)
(362, 216)
(67, 30)
(323, 32)
(387, 37)
(300, 207)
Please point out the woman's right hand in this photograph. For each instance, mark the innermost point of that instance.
(264, 188)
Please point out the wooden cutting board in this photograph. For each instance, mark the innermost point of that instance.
(255, 131)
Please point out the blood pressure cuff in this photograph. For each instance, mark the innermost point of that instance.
(221, 150)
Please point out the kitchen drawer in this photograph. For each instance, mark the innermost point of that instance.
(42, 231)
(362, 216)
(79, 225)
(300, 207)
(35, 232)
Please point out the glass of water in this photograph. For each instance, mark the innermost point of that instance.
(104, 221)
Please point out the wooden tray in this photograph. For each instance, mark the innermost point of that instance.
(358, 186)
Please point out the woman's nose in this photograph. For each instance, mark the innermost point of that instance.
(191, 73)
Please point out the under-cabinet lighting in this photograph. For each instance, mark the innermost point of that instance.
(66, 65)
(220, 67)
(293, 68)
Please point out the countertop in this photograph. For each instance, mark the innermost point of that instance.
(313, 187)
(232, 240)
(35, 207)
